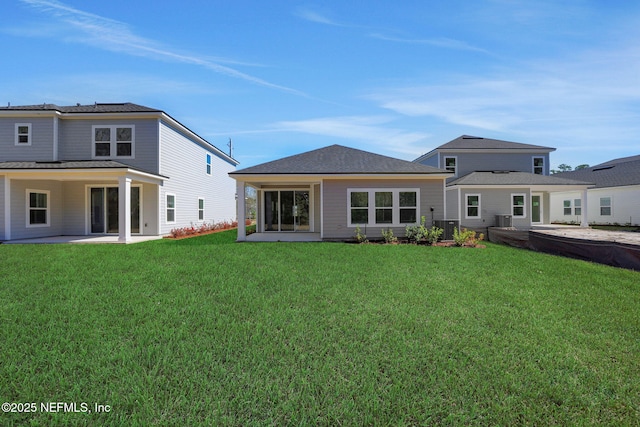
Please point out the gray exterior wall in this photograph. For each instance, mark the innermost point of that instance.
(76, 141)
(19, 209)
(492, 202)
(2, 236)
(184, 162)
(335, 218)
(41, 148)
(471, 162)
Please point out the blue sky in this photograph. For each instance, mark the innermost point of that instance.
(395, 78)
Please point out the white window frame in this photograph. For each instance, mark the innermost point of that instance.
(467, 206)
(209, 166)
(201, 209)
(173, 209)
(524, 205)
(577, 207)
(455, 166)
(29, 208)
(371, 197)
(533, 165)
(610, 205)
(113, 142)
(567, 206)
(29, 135)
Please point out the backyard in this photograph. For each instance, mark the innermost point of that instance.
(206, 331)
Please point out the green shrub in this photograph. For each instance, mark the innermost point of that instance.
(419, 232)
(388, 236)
(466, 237)
(360, 236)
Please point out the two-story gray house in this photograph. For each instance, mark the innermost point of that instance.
(498, 183)
(107, 169)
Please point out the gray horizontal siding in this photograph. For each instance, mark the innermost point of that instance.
(41, 148)
(493, 202)
(76, 141)
(2, 207)
(184, 162)
(471, 162)
(335, 207)
(19, 229)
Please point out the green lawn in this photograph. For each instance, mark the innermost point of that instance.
(205, 331)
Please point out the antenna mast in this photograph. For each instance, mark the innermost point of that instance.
(230, 145)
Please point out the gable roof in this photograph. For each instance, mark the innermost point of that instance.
(614, 173)
(467, 142)
(337, 159)
(514, 178)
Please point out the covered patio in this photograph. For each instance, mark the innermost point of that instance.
(81, 239)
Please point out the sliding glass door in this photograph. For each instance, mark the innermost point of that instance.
(286, 210)
(104, 210)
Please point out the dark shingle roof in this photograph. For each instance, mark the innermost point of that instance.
(336, 159)
(614, 173)
(72, 164)
(513, 178)
(124, 107)
(467, 142)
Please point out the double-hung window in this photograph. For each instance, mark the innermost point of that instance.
(37, 208)
(566, 206)
(113, 142)
(383, 207)
(451, 164)
(538, 165)
(208, 164)
(605, 206)
(171, 208)
(577, 207)
(23, 134)
(201, 209)
(518, 205)
(472, 207)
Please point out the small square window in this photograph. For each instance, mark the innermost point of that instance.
(23, 134)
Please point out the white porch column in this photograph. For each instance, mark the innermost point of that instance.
(7, 208)
(240, 195)
(584, 222)
(124, 209)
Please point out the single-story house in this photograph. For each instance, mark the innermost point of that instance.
(330, 191)
(614, 199)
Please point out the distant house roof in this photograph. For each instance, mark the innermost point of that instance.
(614, 173)
(513, 178)
(468, 142)
(125, 107)
(337, 159)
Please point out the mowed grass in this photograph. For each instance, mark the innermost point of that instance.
(206, 331)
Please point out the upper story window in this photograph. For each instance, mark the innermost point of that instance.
(23, 134)
(538, 165)
(113, 141)
(451, 164)
(208, 164)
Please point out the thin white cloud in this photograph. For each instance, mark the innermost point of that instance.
(112, 35)
(442, 42)
(316, 17)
